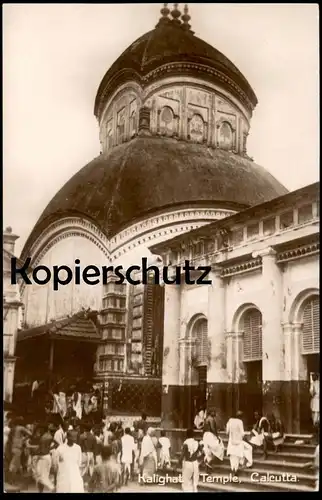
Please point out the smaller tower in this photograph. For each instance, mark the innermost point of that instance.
(176, 14)
(165, 11)
(185, 19)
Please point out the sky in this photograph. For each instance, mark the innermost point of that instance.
(55, 55)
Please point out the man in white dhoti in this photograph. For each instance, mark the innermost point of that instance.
(69, 479)
(212, 446)
(148, 455)
(165, 444)
(315, 399)
(238, 450)
(191, 451)
(44, 463)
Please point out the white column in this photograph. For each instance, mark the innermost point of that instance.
(216, 327)
(272, 308)
(272, 334)
(170, 369)
(288, 352)
(299, 365)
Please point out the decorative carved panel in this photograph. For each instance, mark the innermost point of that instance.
(109, 134)
(197, 129)
(199, 98)
(121, 125)
(167, 122)
(174, 94)
(224, 106)
(133, 117)
(225, 136)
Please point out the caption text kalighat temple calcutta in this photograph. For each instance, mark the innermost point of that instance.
(174, 182)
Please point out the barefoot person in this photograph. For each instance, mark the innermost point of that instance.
(213, 446)
(127, 454)
(191, 451)
(165, 447)
(315, 399)
(148, 456)
(238, 450)
(69, 479)
(106, 477)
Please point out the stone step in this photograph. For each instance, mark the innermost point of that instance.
(304, 476)
(281, 457)
(246, 482)
(287, 446)
(273, 465)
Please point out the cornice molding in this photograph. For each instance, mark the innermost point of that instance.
(66, 225)
(298, 252)
(243, 267)
(146, 231)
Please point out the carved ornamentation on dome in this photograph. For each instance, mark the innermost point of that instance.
(109, 134)
(121, 126)
(167, 122)
(225, 136)
(196, 129)
(133, 125)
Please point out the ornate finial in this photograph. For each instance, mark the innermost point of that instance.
(186, 18)
(176, 14)
(165, 11)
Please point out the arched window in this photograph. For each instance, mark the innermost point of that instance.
(200, 335)
(225, 138)
(167, 122)
(196, 129)
(133, 126)
(252, 329)
(121, 126)
(109, 135)
(311, 326)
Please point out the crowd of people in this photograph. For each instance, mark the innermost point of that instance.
(74, 456)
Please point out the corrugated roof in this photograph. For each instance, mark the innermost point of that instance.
(71, 328)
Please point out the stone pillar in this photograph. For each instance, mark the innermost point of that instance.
(170, 367)
(216, 375)
(301, 387)
(295, 387)
(272, 336)
(236, 379)
(11, 308)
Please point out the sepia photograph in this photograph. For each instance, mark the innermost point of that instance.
(161, 200)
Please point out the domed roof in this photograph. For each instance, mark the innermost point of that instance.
(149, 174)
(170, 43)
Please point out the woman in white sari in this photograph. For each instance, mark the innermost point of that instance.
(238, 450)
(213, 446)
(148, 456)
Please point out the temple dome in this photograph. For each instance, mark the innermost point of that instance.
(151, 174)
(172, 50)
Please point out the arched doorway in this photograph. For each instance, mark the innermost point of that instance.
(251, 326)
(199, 336)
(310, 350)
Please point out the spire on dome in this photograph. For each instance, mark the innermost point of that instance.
(175, 13)
(185, 19)
(165, 11)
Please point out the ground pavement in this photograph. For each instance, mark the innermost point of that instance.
(130, 488)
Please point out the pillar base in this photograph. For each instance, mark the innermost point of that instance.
(225, 399)
(179, 406)
(290, 401)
